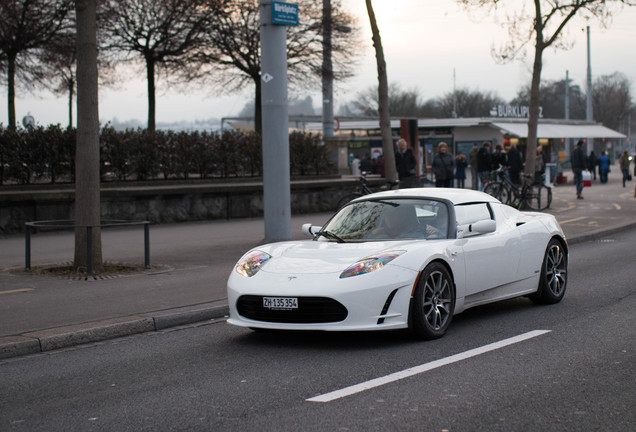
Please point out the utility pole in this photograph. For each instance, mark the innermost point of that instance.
(454, 95)
(567, 111)
(589, 115)
(276, 178)
(327, 72)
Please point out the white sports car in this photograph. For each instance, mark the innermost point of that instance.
(409, 258)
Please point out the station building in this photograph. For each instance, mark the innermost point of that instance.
(557, 137)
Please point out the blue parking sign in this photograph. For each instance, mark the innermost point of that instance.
(284, 13)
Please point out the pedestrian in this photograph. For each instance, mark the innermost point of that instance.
(579, 163)
(365, 164)
(603, 167)
(499, 158)
(592, 162)
(624, 164)
(443, 166)
(540, 161)
(474, 173)
(484, 164)
(379, 165)
(460, 169)
(404, 160)
(515, 164)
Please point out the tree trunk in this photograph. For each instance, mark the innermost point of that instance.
(71, 92)
(383, 99)
(11, 91)
(533, 116)
(150, 71)
(87, 199)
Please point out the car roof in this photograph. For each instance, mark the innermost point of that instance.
(454, 195)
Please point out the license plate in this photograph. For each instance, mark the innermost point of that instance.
(285, 303)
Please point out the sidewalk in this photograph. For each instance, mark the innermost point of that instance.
(190, 265)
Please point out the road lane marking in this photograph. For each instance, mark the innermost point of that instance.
(16, 291)
(617, 206)
(573, 220)
(377, 382)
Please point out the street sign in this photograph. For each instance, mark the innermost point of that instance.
(284, 13)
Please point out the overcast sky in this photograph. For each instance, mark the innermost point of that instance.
(424, 42)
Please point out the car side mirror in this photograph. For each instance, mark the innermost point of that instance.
(479, 227)
(310, 230)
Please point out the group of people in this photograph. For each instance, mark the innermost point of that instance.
(580, 163)
(450, 170)
(447, 168)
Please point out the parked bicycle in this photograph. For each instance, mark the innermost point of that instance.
(361, 190)
(532, 194)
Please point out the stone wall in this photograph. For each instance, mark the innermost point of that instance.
(168, 203)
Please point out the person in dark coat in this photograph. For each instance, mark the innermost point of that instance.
(443, 166)
(499, 157)
(460, 169)
(579, 163)
(404, 160)
(515, 164)
(484, 164)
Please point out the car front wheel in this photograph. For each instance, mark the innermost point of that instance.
(433, 302)
(554, 275)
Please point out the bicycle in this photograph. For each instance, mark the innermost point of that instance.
(362, 189)
(532, 193)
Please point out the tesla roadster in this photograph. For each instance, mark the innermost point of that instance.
(409, 258)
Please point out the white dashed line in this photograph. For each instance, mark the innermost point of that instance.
(377, 382)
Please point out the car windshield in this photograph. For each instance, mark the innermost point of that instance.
(388, 219)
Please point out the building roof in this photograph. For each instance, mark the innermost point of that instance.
(547, 128)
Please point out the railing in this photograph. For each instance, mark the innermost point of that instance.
(69, 224)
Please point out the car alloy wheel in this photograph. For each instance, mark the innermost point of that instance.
(433, 302)
(554, 275)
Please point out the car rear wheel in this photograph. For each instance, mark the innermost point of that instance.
(433, 302)
(554, 275)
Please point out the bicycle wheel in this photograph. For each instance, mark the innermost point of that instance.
(538, 197)
(345, 199)
(498, 190)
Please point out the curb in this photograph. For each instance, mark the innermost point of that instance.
(64, 337)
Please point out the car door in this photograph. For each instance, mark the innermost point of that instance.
(492, 259)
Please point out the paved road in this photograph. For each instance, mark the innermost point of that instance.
(576, 375)
(191, 263)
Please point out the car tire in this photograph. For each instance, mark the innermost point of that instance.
(433, 302)
(554, 275)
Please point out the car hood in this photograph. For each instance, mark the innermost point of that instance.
(309, 257)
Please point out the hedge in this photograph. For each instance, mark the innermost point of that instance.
(47, 155)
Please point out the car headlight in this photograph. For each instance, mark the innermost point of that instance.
(370, 264)
(251, 263)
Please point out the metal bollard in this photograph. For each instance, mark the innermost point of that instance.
(27, 248)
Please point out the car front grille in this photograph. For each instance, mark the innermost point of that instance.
(311, 310)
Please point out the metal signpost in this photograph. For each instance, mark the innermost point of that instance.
(275, 16)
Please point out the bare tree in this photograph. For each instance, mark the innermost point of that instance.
(60, 56)
(383, 98)
(60, 60)
(87, 199)
(164, 34)
(552, 99)
(233, 57)
(544, 26)
(467, 103)
(402, 103)
(612, 100)
(26, 26)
